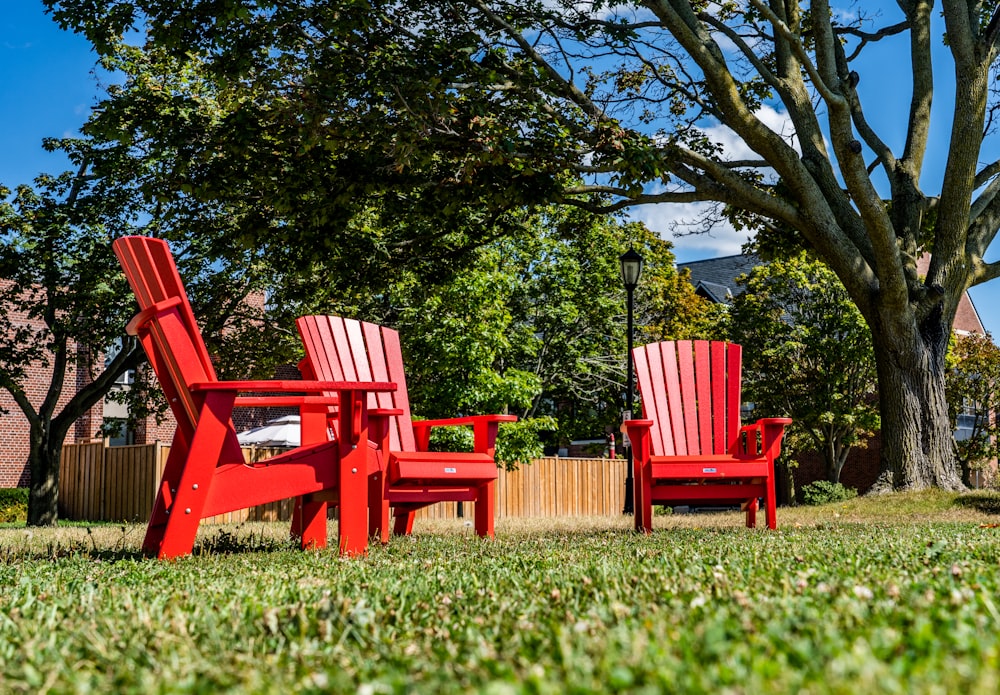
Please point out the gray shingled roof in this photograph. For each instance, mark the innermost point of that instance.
(715, 278)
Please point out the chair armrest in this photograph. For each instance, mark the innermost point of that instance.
(140, 320)
(467, 420)
(291, 401)
(484, 429)
(774, 421)
(352, 399)
(638, 433)
(643, 424)
(765, 435)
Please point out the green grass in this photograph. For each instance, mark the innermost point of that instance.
(891, 594)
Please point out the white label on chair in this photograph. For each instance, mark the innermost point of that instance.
(450, 470)
(709, 470)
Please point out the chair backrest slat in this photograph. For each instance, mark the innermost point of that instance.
(689, 399)
(703, 386)
(346, 349)
(734, 399)
(691, 390)
(649, 372)
(719, 413)
(358, 354)
(673, 430)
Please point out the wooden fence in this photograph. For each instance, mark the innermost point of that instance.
(101, 483)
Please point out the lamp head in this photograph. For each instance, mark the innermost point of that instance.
(631, 268)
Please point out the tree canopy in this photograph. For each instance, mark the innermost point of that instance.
(444, 110)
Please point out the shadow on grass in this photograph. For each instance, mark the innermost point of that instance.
(109, 542)
(986, 501)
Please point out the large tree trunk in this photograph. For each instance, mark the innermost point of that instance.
(917, 449)
(43, 462)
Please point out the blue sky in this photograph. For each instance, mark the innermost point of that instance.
(47, 86)
(46, 89)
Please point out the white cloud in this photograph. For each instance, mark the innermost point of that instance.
(677, 221)
(684, 223)
(733, 145)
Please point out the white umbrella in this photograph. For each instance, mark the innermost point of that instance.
(279, 432)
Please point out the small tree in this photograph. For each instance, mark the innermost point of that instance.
(808, 356)
(62, 303)
(973, 390)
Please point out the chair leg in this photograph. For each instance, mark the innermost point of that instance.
(156, 529)
(637, 500)
(485, 510)
(295, 528)
(310, 518)
(752, 513)
(196, 467)
(352, 500)
(646, 495)
(378, 508)
(403, 525)
(771, 504)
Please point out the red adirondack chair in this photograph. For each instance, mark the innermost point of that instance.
(205, 473)
(690, 448)
(408, 476)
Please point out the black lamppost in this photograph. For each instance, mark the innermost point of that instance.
(631, 270)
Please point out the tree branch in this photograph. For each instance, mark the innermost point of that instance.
(869, 37)
(829, 96)
(568, 88)
(984, 272)
(918, 125)
(747, 52)
(986, 173)
(992, 33)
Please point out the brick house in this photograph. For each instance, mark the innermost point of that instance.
(716, 280)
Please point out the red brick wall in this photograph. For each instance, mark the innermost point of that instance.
(859, 472)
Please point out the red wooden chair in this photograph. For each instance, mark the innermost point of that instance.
(205, 473)
(691, 449)
(408, 476)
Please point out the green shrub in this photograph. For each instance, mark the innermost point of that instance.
(517, 442)
(824, 492)
(13, 504)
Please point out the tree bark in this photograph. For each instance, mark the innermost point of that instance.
(43, 462)
(917, 450)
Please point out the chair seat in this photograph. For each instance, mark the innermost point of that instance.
(428, 494)
(443, 469)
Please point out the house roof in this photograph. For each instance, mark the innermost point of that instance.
(715, 278)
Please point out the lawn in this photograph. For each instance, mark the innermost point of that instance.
(893, 594)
